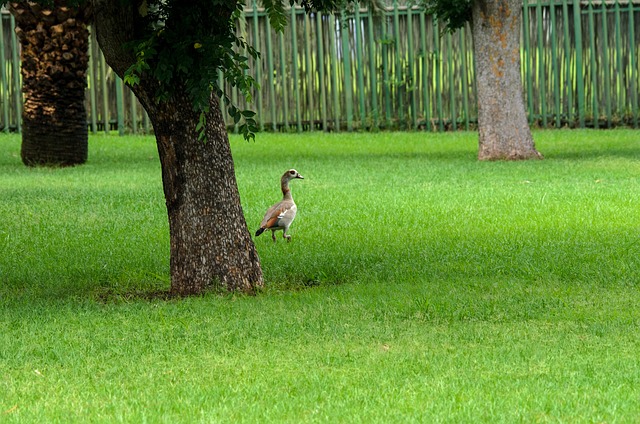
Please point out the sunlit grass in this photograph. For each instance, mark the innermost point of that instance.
(420, 286)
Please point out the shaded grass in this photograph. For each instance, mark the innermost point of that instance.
(420, 286)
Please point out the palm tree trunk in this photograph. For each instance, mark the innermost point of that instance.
(54, 64)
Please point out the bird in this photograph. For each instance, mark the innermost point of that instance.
(281, 215)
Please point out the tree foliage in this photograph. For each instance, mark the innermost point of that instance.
(454, 13)
(184, 45)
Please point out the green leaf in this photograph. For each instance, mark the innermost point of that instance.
(202, 119)
(202, 136)
(201, 127)
(131, 79)
(277, 14)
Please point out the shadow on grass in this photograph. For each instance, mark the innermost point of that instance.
(109, 295)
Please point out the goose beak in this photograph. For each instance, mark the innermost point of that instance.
(300, 177)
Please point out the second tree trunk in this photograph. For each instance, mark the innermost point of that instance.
(503, 127)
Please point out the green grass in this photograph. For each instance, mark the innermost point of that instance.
(420, 286)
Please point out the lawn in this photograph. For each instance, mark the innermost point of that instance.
(420, 286)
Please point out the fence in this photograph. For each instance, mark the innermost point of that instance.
(395, 69)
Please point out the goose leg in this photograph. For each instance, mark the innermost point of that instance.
(273, 236)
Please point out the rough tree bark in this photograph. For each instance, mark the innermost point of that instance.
(55, 58)
(504, 132)
(210, 242)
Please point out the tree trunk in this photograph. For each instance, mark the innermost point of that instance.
(210, 242)
(54, 65)
(504, 132)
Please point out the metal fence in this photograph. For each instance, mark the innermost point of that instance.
(396, 69)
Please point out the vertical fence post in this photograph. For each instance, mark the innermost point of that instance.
(333, 51)
(465, 88)
(411, 83)
(145, 122)
(605, 64)
(398, 80)
(619, 70)
(425, 68)
(119, 105)
(357, 37)
(346, 60)
(257, 63)
(555, 66)
(309, 74)
(5, 82)
(634, 66)
(284, 82)
(321, 73)
(373, 81)
(294, 66)
(105, 95)
(542, 69)
(579, 71)
(594, 74)
(528, 75)
(17, 89)
(452, 92)
(133, 106)
(92, 83)
(568, 80)
(437, 59)
(270, 73)
(386, 92)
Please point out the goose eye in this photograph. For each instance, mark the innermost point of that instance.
(292, 172)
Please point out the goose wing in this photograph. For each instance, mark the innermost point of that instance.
(279, 215)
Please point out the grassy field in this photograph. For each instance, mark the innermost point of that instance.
(420, 286)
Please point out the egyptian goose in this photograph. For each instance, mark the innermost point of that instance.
(281, 215)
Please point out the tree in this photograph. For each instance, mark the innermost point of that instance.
(54, 44)
(503, 128)
(170, 53)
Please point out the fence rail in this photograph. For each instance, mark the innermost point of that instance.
(396, 69)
